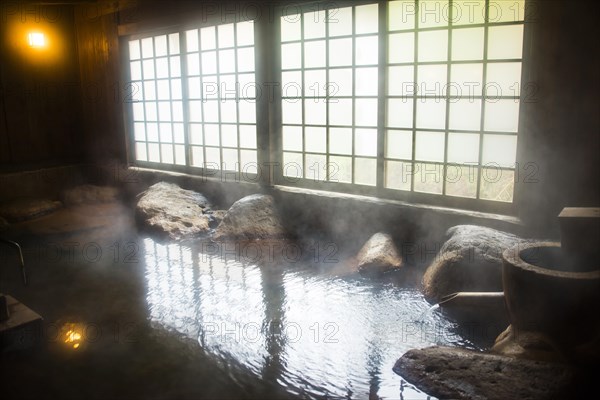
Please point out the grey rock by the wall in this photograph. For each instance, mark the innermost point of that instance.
(470, 260)
(252, 217)
(172, 211)
(217, 217)
(378, 255)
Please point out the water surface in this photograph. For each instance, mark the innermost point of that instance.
(314, 332)
(129, 317)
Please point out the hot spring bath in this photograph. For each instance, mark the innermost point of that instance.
(176, 320)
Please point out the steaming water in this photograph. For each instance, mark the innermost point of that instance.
(314, 333)
(423, 318)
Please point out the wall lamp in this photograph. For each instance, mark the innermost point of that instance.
(37, 40)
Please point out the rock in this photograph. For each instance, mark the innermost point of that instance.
(168, 209)
(378, 255)
(216, 216)
(26, 209)
(469, 261)
(89, 194)
(454, 373)
(527, 345)
(252, 217)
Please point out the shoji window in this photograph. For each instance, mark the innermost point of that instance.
(404, 99)
(196, 103)
(329, 62)
(222, 97)
(451, 96)
(158, 124)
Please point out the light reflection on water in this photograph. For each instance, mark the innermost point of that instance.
(313, 334)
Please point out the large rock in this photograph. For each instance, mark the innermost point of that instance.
(25, 209)
(469, 261)
(170, 210)
(89, 194)
(378, 255)
(252, 217)
(216, 217)
(526, 344)
(454, 373)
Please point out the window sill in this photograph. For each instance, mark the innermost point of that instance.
(507, 222)
(499, 221)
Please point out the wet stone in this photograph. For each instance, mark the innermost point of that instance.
(469, 261)
(216, 216)
(378, 255)
(455, 373)
(252, 217)
(171, 211)
(525, 344)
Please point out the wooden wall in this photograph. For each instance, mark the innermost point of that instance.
(103, 89)
(40, 115)
(61, 105)
(561, 126)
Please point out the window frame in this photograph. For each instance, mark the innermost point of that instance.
(181, 29)
(267, 46)
(442, 200)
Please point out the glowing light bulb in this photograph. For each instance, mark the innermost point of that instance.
(37, 39)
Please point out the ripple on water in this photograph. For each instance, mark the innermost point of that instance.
(313, 334)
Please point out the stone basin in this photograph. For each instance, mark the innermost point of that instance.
(546, 292)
